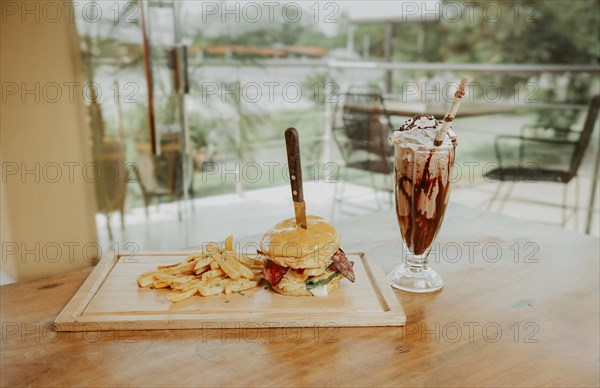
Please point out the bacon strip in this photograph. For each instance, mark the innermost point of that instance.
(342, 264)
(273, 272)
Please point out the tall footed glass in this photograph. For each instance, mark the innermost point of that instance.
(422, 188)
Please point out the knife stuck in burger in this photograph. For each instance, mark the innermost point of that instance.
(304, 254)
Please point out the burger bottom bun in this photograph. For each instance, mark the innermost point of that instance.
(294, 288)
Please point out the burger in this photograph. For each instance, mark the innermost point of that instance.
(304, 261)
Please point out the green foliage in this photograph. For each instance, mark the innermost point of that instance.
(486, 31)
(523, 32)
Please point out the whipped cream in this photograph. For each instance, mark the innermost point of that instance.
(418, 131)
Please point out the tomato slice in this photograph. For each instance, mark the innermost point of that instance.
(273, 272)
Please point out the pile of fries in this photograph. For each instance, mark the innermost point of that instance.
(210, 272)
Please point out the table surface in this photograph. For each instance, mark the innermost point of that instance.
(520, 307)
(408, 109)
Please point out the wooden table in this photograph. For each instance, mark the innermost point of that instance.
(397, 108)
(521, 308)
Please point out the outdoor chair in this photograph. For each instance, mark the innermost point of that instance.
(362, 139)
(572, 143)
(111, 187)
(162, 176)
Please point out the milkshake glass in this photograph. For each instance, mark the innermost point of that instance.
(422, 188)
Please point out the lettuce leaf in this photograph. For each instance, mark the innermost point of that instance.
(310, 284)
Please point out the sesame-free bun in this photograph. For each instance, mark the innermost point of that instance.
(292, 246)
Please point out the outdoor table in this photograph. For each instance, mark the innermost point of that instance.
(520, 306)
(408, 109)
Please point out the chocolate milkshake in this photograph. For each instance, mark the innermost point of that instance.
(422, 180)
(424, 149)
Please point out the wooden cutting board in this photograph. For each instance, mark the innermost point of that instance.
(111, 300)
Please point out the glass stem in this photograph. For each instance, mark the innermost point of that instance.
(417, 262)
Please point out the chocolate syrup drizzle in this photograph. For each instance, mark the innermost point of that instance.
(417, 230)
(410, 124)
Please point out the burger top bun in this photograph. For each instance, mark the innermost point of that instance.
(292, 246)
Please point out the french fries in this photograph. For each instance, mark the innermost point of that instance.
(185, 286)
(214, 286)
(161, 284)
(202, 265)
(229, 243)
(240, 285)
(213, 273)
(210, 272)
(183, 295)
(230, 263)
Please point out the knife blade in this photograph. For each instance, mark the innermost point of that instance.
(292, 145)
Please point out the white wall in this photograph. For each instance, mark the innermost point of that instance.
(52, 218)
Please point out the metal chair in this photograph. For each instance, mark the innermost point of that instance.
(363, 141)
(163, 176)
(111, 187)
(577, 141)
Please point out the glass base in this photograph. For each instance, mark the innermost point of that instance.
(415, 279)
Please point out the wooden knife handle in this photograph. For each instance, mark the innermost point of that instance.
(292, 145)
